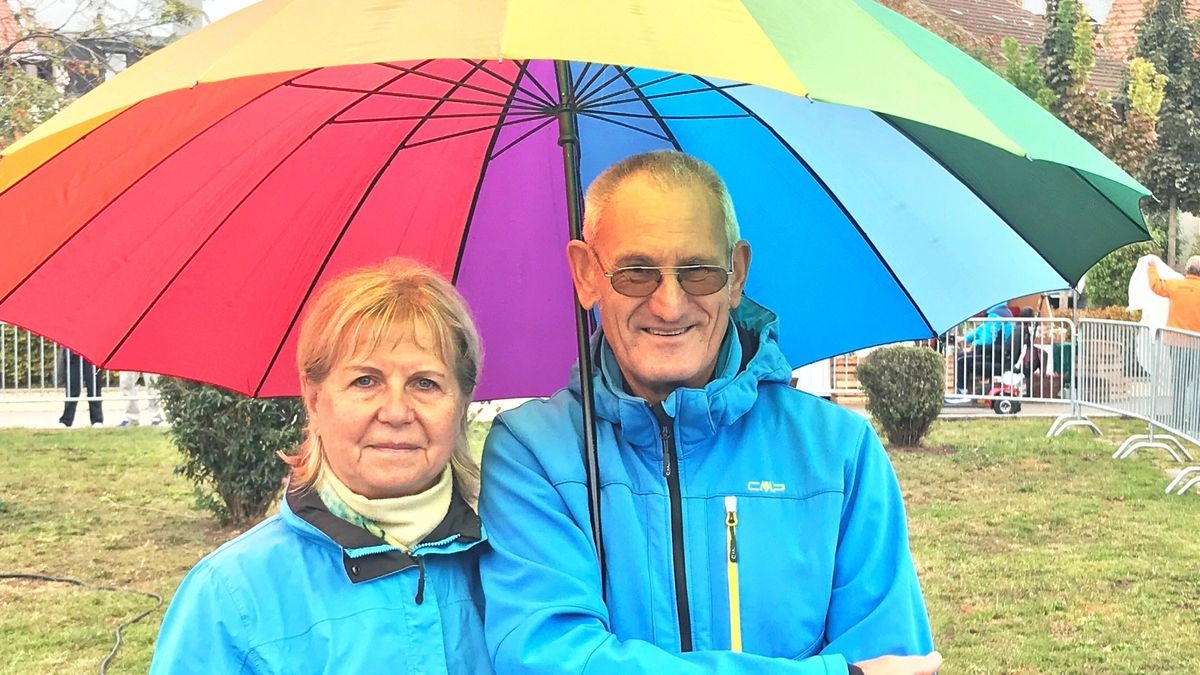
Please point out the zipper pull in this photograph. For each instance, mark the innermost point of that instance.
(420, 579)
(665, 430)
(731, 522)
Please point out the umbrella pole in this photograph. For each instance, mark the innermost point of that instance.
(568, 139)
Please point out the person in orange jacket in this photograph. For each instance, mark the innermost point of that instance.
(1183, 314)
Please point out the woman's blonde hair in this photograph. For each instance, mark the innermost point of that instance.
(357, 310)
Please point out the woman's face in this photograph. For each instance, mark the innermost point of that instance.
(388, 419)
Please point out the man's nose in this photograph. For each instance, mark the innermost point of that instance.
(668, 301)
(396, 407)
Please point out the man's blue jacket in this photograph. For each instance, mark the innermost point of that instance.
(817, 529)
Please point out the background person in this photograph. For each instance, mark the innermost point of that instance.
(985, 349)
(1183, 313)
(128, 384)
(371, 564)
(740, 515)
(78, 372)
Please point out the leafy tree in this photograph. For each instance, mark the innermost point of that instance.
(1130, 146)
(1022, 69)
(1060, 63)
(1133, 140)
(1169, 40)
(1069, 59)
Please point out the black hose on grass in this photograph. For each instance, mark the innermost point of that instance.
(76, 582)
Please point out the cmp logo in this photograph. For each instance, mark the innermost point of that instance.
(765, 486)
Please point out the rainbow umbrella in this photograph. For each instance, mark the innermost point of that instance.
(178, 218)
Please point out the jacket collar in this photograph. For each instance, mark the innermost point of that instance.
(749, 356)
(365, 556)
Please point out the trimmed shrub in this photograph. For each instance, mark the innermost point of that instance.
(228, 442)
(905, 389)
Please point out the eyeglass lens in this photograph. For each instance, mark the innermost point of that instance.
(639, 282)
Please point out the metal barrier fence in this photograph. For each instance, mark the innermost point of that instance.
(1152, 374)
(1118, 366)
(33, 368)
(1008, 361)
(38, 375)
(1176, 406)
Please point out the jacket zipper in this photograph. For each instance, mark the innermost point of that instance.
(671, 473)
(731, 571)
(420, 579)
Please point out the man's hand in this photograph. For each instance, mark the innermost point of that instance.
(902, 665)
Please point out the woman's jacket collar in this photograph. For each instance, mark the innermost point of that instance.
(366, 556)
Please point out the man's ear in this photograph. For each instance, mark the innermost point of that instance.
(741, 268)
(583, 273)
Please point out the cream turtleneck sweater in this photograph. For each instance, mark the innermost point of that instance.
(400, 521)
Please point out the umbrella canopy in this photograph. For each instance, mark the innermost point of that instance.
(177, 219)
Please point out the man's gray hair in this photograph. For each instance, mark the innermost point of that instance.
(670, 168)
(1192, 266)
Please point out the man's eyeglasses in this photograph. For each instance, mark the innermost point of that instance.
(640, 281)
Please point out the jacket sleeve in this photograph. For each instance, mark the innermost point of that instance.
(876, 607)
(204, 630)
(544, 609)
(1157, 283)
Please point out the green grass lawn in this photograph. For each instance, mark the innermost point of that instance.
(1037, 556)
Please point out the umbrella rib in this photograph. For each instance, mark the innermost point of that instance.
(416, 97)
(661, 122)
(603, 118)
(408, 118)
(1106, 198)
(534, 97)
(345, 227)
(613, 113)
(445, 137)
(545, 123)
(523, 66)
(685, 92)
(162, 291)
(444, 80)
(834, 198)
(583, 98)
(971, 189)
(483, 167)
(127, 188)
(576, 83)
(542, 99)
(633, 87)
(584, 86)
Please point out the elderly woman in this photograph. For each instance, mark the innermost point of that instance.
(370, 565)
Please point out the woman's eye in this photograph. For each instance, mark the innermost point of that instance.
(364, 381)
(426, 384)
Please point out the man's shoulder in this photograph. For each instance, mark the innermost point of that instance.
(560, 410)
(799, 404)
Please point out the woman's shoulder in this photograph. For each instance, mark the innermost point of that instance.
(251, 553)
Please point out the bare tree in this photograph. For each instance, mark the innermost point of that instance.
(51, 60)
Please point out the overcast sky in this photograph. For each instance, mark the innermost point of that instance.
(55, 12)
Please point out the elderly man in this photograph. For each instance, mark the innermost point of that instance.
(748, 527)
